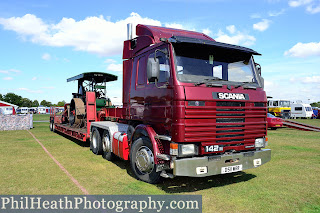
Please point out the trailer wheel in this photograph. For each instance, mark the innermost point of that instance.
(95, 142)
(107, 146)
(142, 161)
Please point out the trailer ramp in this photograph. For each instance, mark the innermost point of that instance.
(300, 126)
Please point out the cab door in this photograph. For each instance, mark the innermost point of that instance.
(158, 97)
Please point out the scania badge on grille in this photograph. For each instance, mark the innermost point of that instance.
(225, 95)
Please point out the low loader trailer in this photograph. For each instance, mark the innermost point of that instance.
(191, 107)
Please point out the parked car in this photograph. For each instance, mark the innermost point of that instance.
(274, 122)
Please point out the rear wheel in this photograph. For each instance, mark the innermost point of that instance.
(142, 161)
(95, 142)
(107, 146)
(51, 128)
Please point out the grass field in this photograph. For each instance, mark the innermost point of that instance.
(288, 183)
(41, 117)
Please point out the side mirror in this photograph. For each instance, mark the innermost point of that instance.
(153, 69)
(258, 67)
(262, 82)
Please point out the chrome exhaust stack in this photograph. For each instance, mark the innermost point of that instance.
(129, 31)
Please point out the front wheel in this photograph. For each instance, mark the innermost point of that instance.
(142, 161)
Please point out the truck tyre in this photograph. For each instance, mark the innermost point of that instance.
(95, 142)
(142, 161)
(107, 146)
(51, 126)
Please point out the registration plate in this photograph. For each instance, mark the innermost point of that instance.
(230, 169)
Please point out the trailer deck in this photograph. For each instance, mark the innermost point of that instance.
(77, 133)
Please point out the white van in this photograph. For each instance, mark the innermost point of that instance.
(23, 110)
(301, 111)
(42, 110)
(7, 110)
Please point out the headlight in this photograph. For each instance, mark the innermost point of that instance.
(187, 150)
(260, 142)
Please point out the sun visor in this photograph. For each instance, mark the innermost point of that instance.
(181, 39)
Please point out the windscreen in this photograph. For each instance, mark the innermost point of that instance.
(285, 103)
(198, 63)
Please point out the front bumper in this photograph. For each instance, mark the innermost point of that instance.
(214, 164)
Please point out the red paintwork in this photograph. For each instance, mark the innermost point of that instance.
(90, 110)
(123, 150)
(161, 32)
(274, 122)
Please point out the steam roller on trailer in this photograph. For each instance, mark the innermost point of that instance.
(191, 107)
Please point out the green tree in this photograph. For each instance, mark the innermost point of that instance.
(46, 103)
(26, 102)
(315, 104)
(35, 103)
(61, 103)
(13, 99)
(1, 97)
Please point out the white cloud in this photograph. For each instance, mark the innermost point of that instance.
(10, 71)
(262, 25)
(312, 6)
(207, 31)
(91, 34)
(7, 78)
(180, 26)
(27, 25)
(46, 56)
(238, 38)
(115, 67)
(110, 61)
(313, 79)
(231, 29)
(297, 3)
(34, 78)
(174, 25)
(302, 50)
(255, 15)
(29, 90)
(276, 13)
(313, 9)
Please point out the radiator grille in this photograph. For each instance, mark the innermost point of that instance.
(225, 122)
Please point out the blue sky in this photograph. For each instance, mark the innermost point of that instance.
(45, 42)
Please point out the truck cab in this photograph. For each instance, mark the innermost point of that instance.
(203, 99)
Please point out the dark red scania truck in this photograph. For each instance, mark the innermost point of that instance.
(191, 107)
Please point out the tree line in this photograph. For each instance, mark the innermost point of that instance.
(315, 104)
(26, 102)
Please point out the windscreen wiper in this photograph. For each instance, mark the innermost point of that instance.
(207, 80)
